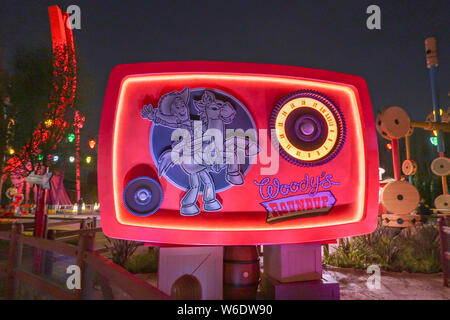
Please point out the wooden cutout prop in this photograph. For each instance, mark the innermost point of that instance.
(400, 197)
(442, 202)
(409, 167)
(441, 166)
(393, 123)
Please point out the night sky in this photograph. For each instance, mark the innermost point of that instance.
(329, 35)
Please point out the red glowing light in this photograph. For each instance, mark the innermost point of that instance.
(92, 143)
(389, 146)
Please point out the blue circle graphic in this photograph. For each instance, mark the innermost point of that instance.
(160, 140)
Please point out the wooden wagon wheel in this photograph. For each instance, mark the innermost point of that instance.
(400, 197)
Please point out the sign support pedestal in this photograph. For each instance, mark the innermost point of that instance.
(294, 272)
(191, 272)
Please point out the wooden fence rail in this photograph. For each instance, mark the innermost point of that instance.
(89, 262)
(444, 234)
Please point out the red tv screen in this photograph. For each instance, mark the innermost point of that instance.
(221, 153)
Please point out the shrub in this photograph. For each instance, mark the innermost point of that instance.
(412, 250)
(144, 263)
(421, 250)
(349, 254)
(121, 250)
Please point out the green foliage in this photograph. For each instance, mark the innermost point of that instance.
(30, 92)
(421, 250)
(6, 115)
(73, 241)
(412, 250)
(121, 250)
(349, 254)
(41, 97)
(143, 263)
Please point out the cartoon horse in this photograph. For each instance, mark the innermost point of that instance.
(173, 112)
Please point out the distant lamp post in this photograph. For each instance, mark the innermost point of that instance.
(71, 159)
(55, 158)
(12, 151)
(88, 159)
(78, 123)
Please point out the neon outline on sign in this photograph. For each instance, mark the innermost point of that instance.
(121, 212)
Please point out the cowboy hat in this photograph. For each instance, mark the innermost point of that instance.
(166, 101)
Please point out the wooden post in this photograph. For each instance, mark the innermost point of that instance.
(444, 185)
(86, 244)
(48, 254)
(408, 156)
(444, 178)
(444, 249)
(106, 287)
(94, 222)
(14, 260)
(408, 152)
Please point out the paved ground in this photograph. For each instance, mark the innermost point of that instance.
(353, 283)
(394, 285)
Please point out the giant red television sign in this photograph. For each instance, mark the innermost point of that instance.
(215, 153)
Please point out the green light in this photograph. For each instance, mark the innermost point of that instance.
(40, 157)
(71, 137)
(434, 141)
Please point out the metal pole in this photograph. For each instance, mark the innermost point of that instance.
(77, 161)
(436, 108)
(40, 221)
(431, 53)
(78, 123)
(41, 212)
(396, 160)
(408, 156)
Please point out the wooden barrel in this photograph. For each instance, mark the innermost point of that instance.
(240, 273)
